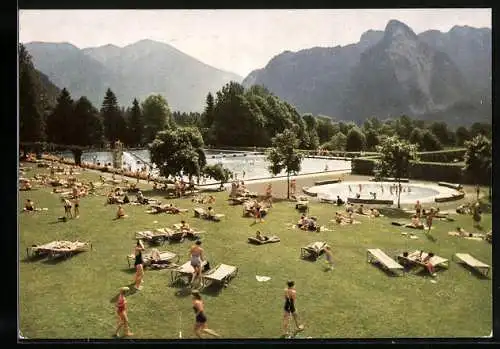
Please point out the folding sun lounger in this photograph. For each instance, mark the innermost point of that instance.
(221, 274)
(379, 256)
(271, 239)
(413, 258)
(165, 257)
(59, 248)
(467, 259)
(157, 237)
(201, 213)
(184, 272)
(313, 250)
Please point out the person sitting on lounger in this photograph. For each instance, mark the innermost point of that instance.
(185, 228)
(29, 206)
(374, 213)
(141, 199)
(350, 208)
(340, 202)
(126, 199)
(359, 210)
(210, 213)
(415, 222)
(120, 213)
(261, 237)
(428, 264)
(302, 221)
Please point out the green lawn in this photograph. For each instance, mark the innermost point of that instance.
(75, 297)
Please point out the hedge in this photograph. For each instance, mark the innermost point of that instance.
(430, 171)
(444, 156)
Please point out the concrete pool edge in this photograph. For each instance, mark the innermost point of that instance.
(444, 193)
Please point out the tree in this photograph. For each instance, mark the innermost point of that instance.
(284, 155)
(60, 118)
(356, 140)
(325, 129)
(156, 116)
(372, 139)
(86, 128)
(416, 137)
(430, 142)
(479, 128)
(208, 114)
(440, 130)
(461, 135)
(403, 126)
(135, 124)
(478, 159)
(346, 127)
(394, 161)
(178, 152)
(31, 119)
(338, 142)
(114, 122)
(218, 173)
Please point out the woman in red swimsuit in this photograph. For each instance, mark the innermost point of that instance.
(121, 310)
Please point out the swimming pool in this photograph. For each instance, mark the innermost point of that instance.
(247, 166)
(381, 191)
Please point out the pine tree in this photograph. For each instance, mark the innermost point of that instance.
(135, 124)
(59, 120)
(208, 115)
(114, 123)
(31, 121)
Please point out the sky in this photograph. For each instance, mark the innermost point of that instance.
(238, 41)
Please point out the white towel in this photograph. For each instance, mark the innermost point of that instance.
(262, 278)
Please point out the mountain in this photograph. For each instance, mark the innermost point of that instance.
(134, 71)
(389, 73)
(470, 50)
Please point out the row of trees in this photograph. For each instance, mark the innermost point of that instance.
(395, 156)
(428, 136)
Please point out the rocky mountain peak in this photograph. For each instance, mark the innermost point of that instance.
(398, 30)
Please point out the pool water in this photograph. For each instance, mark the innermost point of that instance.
(410, 192)
(245, 165)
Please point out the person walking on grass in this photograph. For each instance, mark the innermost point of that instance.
(290, 311)
(329, 257)
(200, 324)
(196, 254)
(139, 265)
(121, 310)
(67, 208)
(76, 206)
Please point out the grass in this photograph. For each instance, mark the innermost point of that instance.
(74, 298)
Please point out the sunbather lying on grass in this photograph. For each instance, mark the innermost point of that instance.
(340, 218)
(308, 224)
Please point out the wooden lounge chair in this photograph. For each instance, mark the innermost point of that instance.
(157, 237)
(313, 250)
(201, 213)
(221, 274)
(379, 256)
(467, 259)
(58, 248)
(165, 256)
(177, 236)
(271, 239)
(413, 258)
(184, 272)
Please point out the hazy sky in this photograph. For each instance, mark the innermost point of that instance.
(234, 40)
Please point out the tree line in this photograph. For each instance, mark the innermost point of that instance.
(234, 116)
